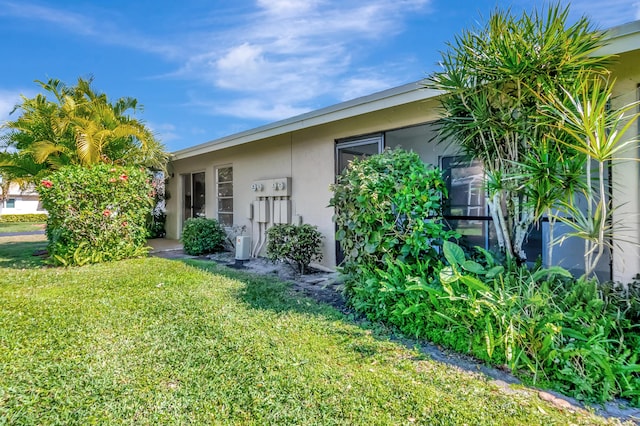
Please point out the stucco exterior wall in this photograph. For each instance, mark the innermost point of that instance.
(626, 176)
(307, 156)
(26, 201)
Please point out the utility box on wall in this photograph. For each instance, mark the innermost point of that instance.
(280, 187)
(243, 247)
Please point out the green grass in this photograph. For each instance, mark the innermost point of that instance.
(154, 341)
(18, 251)
(20, 227)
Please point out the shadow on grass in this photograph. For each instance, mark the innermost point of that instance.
(267, 292)
(264, 292)
(21, 254)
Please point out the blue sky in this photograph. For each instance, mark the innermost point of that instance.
(207, 69)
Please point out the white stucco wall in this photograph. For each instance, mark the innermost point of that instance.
(307, 156)
(626, 177)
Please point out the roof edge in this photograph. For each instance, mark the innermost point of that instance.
(384, 99)
(619, 39)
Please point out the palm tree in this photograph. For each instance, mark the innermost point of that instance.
(79, 126)
(492, 77)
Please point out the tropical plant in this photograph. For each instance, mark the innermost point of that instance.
(491, 77)
(388, 206)
(201, 236)
(599, 134)
(76, 126)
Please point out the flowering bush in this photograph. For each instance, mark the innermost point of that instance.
(96, 213)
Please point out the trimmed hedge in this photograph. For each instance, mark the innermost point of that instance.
(24, 218)
(201, 236)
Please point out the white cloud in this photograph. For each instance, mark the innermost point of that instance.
(290, 53)
(282, 56)
(99, 28)
(608, 13)
(362, 86)
(255, 108)
(8, 100)
(71, 21)
(165, 132)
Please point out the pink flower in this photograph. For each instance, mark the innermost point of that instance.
(125, 223)
(106, 213)
(47, 183)
(124, 177)
(112, 170)
(112, 180)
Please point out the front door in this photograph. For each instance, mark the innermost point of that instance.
(348, 151)
(193, 204)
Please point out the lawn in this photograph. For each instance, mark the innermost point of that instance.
(155, 341)
(6, 227)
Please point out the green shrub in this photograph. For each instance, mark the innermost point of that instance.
(577, 336)
(201, 235)
(96, 213)
(388, 207)
(296, 245)
(24, 218)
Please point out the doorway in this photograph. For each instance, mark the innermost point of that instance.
(193, 199)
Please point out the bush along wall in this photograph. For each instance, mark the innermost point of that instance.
(388, 209)
(201, 236)
(297, 245)
(96, 213)
(577, 336)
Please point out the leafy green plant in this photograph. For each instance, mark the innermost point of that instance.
(577, 336)
(599, 135)
(201, 235)
(388, 207)
(24, 218)
(297, 245)
(492, 77)
(96, 214)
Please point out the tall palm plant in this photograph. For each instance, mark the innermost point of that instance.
(77, 125)
(491, 78)
(599, 134)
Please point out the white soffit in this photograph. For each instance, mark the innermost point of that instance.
(621, 39)
(389, 98)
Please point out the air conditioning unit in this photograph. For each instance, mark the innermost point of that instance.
(243, 247)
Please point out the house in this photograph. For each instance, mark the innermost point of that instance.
(281, 172)
(19, 200)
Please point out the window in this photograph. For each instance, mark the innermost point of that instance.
(10, 203)
(348, 150)
(466, 211)
(224, 193)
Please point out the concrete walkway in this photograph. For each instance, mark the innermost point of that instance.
(18, 234)
(159, 245)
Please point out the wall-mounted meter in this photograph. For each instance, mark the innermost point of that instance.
(280, 187)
